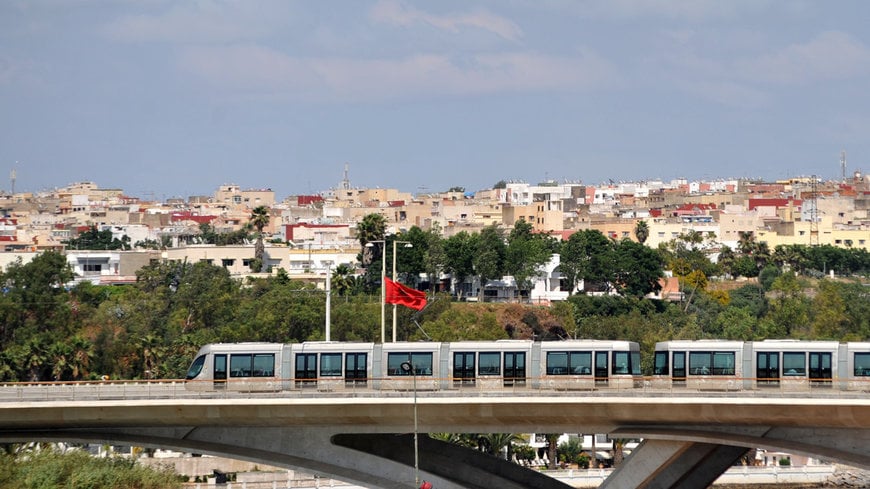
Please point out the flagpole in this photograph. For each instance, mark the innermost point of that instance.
(407, 245)
(371, 244)
(383, 291)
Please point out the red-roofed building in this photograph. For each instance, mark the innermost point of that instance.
(181, 216)
(302, 200)
(692, 209)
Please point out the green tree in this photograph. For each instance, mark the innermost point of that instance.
(586, 256)
(459, 253)
(829, 318)
(637, 269)
(526, 253)
(790, 308)
(737, 323)
(488, 259)
(94, 239)
(434, 255)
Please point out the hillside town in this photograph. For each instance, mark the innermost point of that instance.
(306, 235)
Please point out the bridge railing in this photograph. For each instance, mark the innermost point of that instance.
(433, 387)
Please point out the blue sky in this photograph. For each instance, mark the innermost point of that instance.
(167, 98)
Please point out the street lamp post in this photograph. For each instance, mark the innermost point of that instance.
(371, 244)
(407, 245)
(409, 367)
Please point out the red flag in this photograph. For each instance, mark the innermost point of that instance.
(406, 296)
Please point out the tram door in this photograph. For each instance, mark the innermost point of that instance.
(220, 371)
(820, 369)
(306, 370)
(678, 374)
(355, 369)
(601, 375)
(463, 369)
(514, 368)
(767, 368)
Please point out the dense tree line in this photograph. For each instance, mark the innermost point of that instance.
(152, 329)
(46, 468)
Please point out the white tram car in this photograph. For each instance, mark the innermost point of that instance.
(484, 365)
(785, 365)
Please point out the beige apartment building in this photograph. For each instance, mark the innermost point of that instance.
(233, 196)
(544, 216)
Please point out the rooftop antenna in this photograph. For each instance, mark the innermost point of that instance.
(843, 164)
(345, 182)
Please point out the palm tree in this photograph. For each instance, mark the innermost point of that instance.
(552, 445)
(641, 231)
(746, 242)
(259, 219)
(342, 279)
(373, 227)
(496, 442)
(82, 352)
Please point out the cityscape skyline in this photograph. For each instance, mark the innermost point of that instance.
(173, 100)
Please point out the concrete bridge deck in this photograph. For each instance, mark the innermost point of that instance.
(689, 439)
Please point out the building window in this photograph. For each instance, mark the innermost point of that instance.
(227, 262)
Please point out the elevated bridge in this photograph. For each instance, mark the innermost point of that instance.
(689, 438)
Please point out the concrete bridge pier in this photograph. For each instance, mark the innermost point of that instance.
(660, 464)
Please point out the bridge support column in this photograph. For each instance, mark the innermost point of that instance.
(666, 464)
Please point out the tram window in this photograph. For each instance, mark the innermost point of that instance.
(862, 365)
(422, 363)
(196, 367)
(565, 363)
(240, 365)
(264, 365)
(711, 363)
(723, 363)
(620, 362)
(557, 363)
(661, 363)
(490, 363)
(580, 362)
(700, 363)
(330, 365)
(794, 364)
